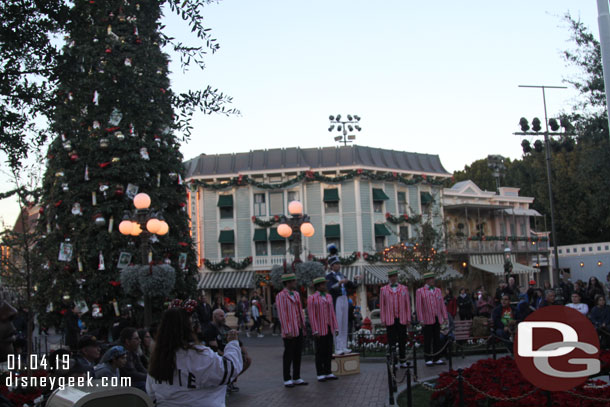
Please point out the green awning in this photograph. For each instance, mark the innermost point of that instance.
(225, 201)
(381, 230)
(379, 195)
(331, 195)
(260, 235)
(333, 231)
(274, 236)
(426, 198)
(226, 236)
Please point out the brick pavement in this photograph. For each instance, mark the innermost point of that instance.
(262, 384)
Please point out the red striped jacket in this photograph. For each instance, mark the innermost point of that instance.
(290, 313)
(395, 305)
(321, 314)
(430, 304)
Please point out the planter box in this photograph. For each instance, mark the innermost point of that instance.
(347, 364)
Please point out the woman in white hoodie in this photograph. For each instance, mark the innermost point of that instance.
(183, 372)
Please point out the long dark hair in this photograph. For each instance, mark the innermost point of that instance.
(174, 333)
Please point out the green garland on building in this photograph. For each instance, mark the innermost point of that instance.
(345, 261)
(308, 176)
(227, 262)
(265, 223)
(373, 257)
(507, 238)
(404, 218)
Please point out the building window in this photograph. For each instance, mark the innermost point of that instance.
(402, 203)
(333, 240)
(560, 251)
(278, 248)
(379, 197)
(590, 249)
(227, 249)
(276, 203)
(331, 200)
(225, 205)
(260, 248)
(379, 243)
(403, 232)
(293, 196)
(599, 248)
(426, 199)
(582, 249)
(260, 206)
(567, 250)
(605, 247)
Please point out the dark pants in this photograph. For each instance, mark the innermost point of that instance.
(256, 323)
(292, 356)
(397, 333)
(324, 353)
(432, 336)
(276, 325)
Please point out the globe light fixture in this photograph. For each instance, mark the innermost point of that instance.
(125, 227)
(295, 208)
(135, 229)
(141, 201)
(153, 225)
(307, 229)
(284, 230)
(163, 228)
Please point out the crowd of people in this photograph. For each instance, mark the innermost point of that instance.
(511, 304)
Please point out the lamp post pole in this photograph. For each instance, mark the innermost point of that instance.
(299, 223)
(144, 223)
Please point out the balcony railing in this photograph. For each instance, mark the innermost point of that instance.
(463, 245)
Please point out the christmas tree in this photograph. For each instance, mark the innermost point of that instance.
(114, 124)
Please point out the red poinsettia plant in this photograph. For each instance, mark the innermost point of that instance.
(501, 379)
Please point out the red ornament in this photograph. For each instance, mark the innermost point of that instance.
(138, 41)
(119, 190)
(309, 174)
(112, 129)
(226, 260)
(67, 267)
(387, 215)
(162, 90)
(104, 165)
(359, 171)
(395, 174)
(41, 210)
(58, 203)
(115, 283)
(358, 254)
(183, 244)
(276, 218)
(405, 216)
(182, 204)
(108, 50)
(365, 256)
(424, 176)
(74, 157)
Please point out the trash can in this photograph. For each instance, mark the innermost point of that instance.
(99, 397)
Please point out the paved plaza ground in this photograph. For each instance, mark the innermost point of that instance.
(262, 384)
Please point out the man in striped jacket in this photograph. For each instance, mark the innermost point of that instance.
(431, 313)
(395, 304)
(291, 319)
(323, 325)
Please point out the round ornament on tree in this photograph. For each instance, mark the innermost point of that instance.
(99, 220)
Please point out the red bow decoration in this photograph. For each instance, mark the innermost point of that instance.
(183, 244)
(104, 165)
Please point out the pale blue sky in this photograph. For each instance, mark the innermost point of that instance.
(436, 77)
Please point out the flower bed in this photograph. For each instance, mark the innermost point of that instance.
(365, 341)
(501, 378)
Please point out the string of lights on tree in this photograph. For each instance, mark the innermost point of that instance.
(309, 176)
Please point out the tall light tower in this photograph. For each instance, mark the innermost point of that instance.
(351, 124)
